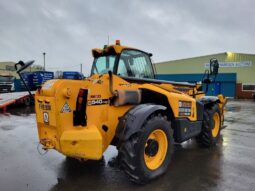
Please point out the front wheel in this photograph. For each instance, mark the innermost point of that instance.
(147, 155)
(210, 133)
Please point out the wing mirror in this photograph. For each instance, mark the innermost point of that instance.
(214, 66)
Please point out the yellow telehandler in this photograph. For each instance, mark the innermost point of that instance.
(122, 104)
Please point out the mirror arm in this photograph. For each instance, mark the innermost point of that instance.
(22, 64)
(27, 88)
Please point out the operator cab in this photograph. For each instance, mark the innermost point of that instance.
(122, 61)
(131, 64)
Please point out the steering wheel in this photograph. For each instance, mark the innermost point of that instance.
(23, 65)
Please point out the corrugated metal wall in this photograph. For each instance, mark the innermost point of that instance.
(197, 65)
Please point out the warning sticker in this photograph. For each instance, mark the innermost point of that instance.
(66, 108)
(185, 108)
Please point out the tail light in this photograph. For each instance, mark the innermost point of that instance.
(79, 115)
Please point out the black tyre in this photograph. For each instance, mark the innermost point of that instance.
(147, 155)
(210, 133)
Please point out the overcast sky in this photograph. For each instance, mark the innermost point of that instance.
(68, 30)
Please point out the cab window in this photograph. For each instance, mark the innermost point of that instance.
(136, 64)
(103, 64)
(122, 70)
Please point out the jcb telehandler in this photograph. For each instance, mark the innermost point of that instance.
(122, 104)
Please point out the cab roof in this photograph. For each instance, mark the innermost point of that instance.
(110, 50)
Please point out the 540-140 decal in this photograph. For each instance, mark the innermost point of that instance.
(66, 107)
(98, 102)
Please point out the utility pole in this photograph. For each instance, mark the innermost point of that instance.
(44, 60)
(81, 68)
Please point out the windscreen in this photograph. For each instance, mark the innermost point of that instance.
(103, 64)
(6, 79)
(134, 63)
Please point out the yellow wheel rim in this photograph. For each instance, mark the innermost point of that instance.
(154, 159)
(216, 128)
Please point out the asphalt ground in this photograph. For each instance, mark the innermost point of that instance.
(229, 166)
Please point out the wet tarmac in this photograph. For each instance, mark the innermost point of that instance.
(229, 166)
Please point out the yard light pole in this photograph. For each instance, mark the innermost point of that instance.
(44, 60)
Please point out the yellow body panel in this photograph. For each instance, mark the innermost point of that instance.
(173, 98)
(92, 140)
(82, 143)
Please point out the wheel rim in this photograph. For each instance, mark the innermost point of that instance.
(155, 149)
(216, 128)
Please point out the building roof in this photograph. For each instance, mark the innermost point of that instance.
(205, 56)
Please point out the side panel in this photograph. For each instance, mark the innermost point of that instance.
(175, 99)
(185, 129)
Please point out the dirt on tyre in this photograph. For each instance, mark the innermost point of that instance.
(211, 127)
(147, 155)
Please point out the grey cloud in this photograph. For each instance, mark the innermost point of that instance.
(68, 30)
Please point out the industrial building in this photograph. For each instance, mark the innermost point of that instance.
(8, 68)
(236, 76)
(10, 80)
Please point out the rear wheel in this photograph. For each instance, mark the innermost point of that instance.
(210, 133)
(146, 156)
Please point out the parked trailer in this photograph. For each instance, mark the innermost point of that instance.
(8, 99)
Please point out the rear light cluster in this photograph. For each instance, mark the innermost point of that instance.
(79, 115)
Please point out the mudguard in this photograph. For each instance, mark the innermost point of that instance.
(209, 99)
(133, 120)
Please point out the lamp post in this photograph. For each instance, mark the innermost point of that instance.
(44, 60)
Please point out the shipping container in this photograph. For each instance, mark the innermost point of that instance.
(40, 77)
